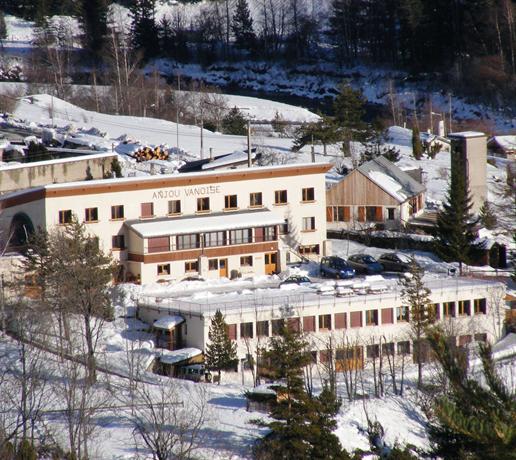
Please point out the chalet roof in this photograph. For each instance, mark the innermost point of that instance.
(397, 183)
(507, 143)
(226, 160)
(168, 322)
(178, 356)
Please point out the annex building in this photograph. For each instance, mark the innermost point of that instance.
(211, 224)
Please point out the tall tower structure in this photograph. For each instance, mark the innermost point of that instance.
(469, 148)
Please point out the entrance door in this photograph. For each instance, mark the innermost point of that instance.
(271, 264)
(223, 267)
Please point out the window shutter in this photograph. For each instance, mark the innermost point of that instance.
(347, 214)
(361, 213)
(309, 323)
(387, 316)
(340, 320)
(158, 244)
(379, 214)
(356, 318)
(147, 210)
(329, 213)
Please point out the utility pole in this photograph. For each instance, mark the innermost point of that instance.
(249, 156)
(202, 129)
(177, 110)
(450, 112)
(2, 303)
(313, 150)
(431, 121)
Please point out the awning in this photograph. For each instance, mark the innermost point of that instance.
(206, 223)
(177, 356)
(168, 322)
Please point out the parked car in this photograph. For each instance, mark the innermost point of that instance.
(336, 267)
(296, 279)
(395, 262)
(364, 263)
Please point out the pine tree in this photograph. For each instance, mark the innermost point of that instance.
(416, 295)
(455, 233)
(3, 26)
(471, 419)
(93, 17)
(303, 426)
(349, 107)
(144, 28)
(234, 123)
(324, 132)
(242, 26)
(487, 216)
(220, 352)
(417, 146)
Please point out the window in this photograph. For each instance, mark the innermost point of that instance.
(413, 205)
(388, 348)
(374, 213)
(147, 210)
(479, 306)
(191, 266)
(284, 228)
(158, 244)
(91, 215)
(402, 314)
(246, 330)
(373, 351)
(230, 202)
(310, 249)
(276, 326)
(403, 348)
(308, 224)
(163, 269)
(264, 234)
(308, 194)
(340, 320)
(240, 236)
(255, 199)
(294, 324)
(212, 239)
(65, 217)
(118, 242)
(203, 204)
(482, 337)
(464, 307)
(190, 241)
(213, 264)
(246, 261)
(434, 310)
(371, 317)
(232, 331)
(174, 207)
(280, 197)
(309, 323)
(449, 309)
(355, 319)
(390, 213)
(464, 340)
(262, 328)
(325, 322)
(117, 212)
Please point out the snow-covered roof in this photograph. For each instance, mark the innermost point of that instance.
(467, 134)
(232, 158)
(205, 223)
(96, 156)
(168, 322)
(176, 356)
(505, 142)
(397, 183)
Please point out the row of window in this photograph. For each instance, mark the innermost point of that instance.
(213, 264)
(174, 206)
(365, 213)
(340, 320)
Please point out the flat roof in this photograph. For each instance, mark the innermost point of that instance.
(204, 223)
(468, 134)
(177, 356)
(4, 166)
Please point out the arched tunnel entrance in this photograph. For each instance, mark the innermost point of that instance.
(20, 231)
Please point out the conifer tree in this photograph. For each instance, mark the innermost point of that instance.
(487, 216)
(324, 132)
(455, 233)
(144, 28)
(349, 107)
(3, 26)
(93, 17)
(417, 146)
(472, 419)
(234, 123)
(421, 314)
(242, 26)
(221, 351)
(302, 426)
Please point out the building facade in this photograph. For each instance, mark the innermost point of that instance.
(468, 310)
(212, 224)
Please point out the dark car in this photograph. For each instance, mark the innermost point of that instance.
(296, 279)
(364, 263)
(394, 262)
(336, 267)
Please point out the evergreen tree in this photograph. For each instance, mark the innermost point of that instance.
(221, 351)
(93, 17)
(324, 132)
(349, 108)
(3, 26)
(487, 216)
(144, 28)
(417, 146)
(471, 419)
(234, 123)
(455, 233)
(416, 295)
(242, 26)
(303, 426)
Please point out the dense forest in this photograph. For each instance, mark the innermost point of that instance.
(466, 43)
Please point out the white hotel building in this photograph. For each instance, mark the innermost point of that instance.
(212, 224)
